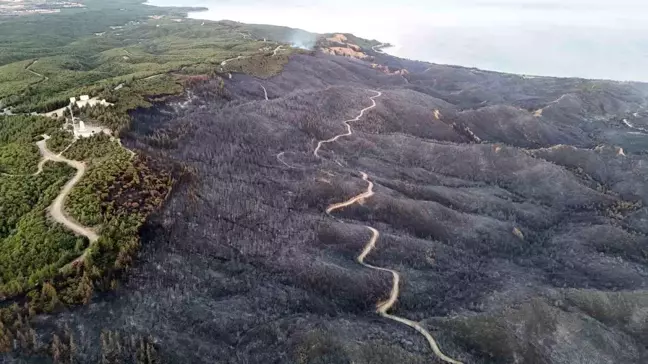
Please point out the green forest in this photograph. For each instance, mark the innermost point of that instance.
(32, 248)
(116, 51)
(131, 55)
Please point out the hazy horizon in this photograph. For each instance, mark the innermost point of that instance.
(575, 38)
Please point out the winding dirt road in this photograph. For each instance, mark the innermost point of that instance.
(378, 48)
(132, 154)
(632, 126)
(38, 171)
(280, 158)
(43, 77)
(56, 208)
(224, 63)
(358, 198)
(346, 122)
(265, 92)
(538, 113)
(274, 53)
(382, 308)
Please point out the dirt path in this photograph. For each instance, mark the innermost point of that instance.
(224, 63)
(153, 76)
(280, 158)
(119, 142)
(632, 126)
(265, 92)
(349, 131)
(377, 48)
(28, 69)
(538, 113)
(383, 308)
(56, 209)
(38, 171)
(360, 197)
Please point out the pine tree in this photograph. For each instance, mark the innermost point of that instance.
(50, 298)
(6, 339)
(56, 349)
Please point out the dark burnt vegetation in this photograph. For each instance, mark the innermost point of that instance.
(489, 236)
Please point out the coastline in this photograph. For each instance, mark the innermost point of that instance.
(186, 9)
(568, 50)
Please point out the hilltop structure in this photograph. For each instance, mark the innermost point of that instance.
(79, 127)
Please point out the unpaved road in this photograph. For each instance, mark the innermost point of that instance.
(39, 171)
(538, 113)
(360, 197)
(274, 53)
(280, 158)
(265, 92)
(383, 307)
(56, 209)
(377, 48)
(632, 126)
(224, 63)
(43, 78)
(349, 131)
(153, 76)
(132, 154)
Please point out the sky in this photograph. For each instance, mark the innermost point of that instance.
(572, 38)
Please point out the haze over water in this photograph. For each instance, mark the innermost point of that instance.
(570, 38)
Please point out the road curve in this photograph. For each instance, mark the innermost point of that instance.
(346, 122)
(224, 63)
(351, 201)
(383, 308)
(265, 92)
(56, 209)
(632, 126)
(38, 171)
(132, 154)
(43, 77)
(378, 48)
(274, 53)
(280, 158)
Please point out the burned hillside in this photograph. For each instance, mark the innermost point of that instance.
(513, 209)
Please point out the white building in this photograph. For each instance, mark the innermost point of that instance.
(81, 130)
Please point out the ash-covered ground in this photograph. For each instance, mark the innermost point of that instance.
(513, 208)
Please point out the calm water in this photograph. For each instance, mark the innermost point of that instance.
(580, 38)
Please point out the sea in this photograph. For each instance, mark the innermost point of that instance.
(598, 39)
